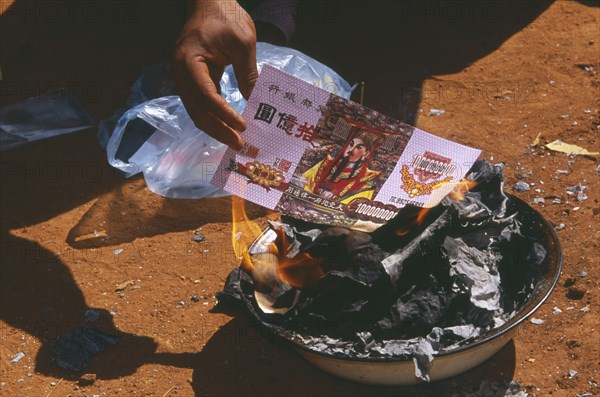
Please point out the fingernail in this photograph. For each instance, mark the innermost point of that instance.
(242, 127)
(237, 145)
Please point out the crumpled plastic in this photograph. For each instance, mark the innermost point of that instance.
(74, 350)
(52, 114)
(158, 138)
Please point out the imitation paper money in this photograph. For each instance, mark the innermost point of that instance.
(321, 158)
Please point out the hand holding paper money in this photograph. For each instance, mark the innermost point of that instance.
(218, 33)
(324, 159)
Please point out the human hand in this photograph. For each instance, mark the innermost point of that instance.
(217, 33)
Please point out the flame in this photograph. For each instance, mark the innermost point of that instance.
(462, 187)
(414, 220)
(243, 234)
(273, 266)
(300, 271)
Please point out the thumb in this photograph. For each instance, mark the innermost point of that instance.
(244, 66)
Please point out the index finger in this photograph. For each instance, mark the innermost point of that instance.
(201, 82)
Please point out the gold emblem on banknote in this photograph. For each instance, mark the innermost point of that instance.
(263, 174)
(415, 188)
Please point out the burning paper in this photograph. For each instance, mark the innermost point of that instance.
(324, 159)
(426, 282)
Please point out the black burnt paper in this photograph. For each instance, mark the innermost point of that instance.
(465, 271)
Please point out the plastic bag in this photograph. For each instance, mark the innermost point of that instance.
(52, 114)
(158, 138)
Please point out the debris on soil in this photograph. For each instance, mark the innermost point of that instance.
(523, 176)
(198, 238)
(91, 315)
(86, 380)
(491, 389)
(124, 285)
(575, 293)
(561, 226)
(514, 390)
(569, 282)
(74, 350)
(118, 251)
(17, 357)
(583, 273)
(521, 187)
(585, 67)
(572, 373)
(537, 321)
(556, 311)
(562, 147)
(539, 200)
(436, 112)
(577, 190)
(194, 298)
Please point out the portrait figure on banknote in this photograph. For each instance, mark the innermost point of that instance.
(350, 159)
(346, 175)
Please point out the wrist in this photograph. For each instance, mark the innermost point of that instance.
(199, 5)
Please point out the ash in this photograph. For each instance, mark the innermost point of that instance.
(466, 271)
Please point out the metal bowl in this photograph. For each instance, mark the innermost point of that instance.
(397, 372)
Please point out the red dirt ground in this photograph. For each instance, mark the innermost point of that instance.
(500, 83)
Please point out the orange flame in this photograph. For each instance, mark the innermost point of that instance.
(266, 268)
(301, 271)
(462, 187)
(414, 222)
(243, 234)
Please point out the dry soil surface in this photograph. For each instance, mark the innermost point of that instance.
(73, 229)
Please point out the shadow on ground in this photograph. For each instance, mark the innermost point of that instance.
(240, 359)
(393, 46)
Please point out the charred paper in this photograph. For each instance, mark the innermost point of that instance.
(468, 269)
